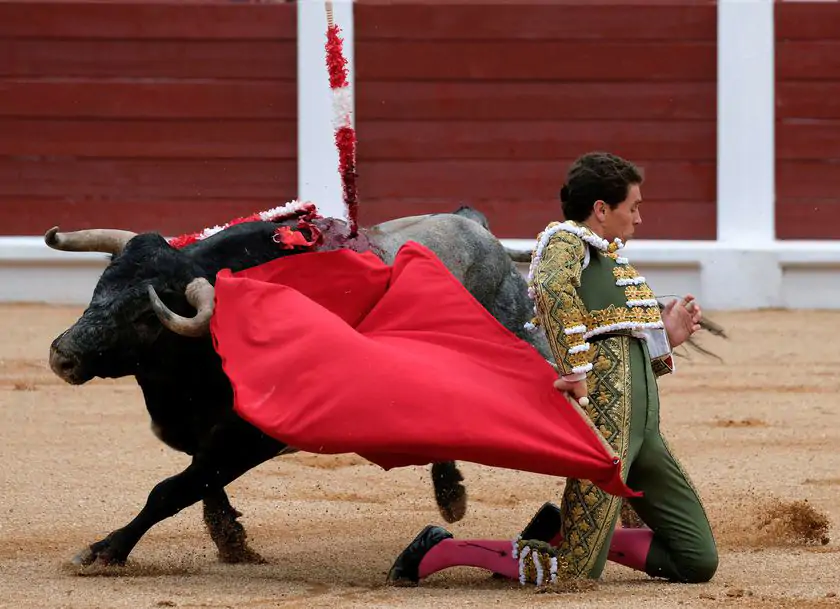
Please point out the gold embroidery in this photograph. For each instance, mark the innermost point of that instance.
(624, 271)
(589, 512)
(639, 292)
(629, 316)
(538, 562)
(554, 292)
(562, 312)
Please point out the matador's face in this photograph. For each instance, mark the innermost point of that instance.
(621, 221)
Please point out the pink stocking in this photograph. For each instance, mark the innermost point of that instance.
(630, 547)
(495, 556)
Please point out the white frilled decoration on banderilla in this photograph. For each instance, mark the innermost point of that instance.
(345, 134)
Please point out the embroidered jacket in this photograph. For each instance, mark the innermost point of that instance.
(583, 289)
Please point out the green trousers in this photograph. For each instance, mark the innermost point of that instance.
(624, 406)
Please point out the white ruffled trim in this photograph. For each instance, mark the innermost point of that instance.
(287, 210)
(575, 330)
(209, 232)
(647, 302)
(631, 281)
(342, 107)
(538, 567)
(270, 215)
(579, 348)
(622, 325)
(584, 233)
(522, 557)
(579, 369)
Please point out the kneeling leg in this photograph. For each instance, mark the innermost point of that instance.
(681, 545)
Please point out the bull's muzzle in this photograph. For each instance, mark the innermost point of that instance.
(64, 365)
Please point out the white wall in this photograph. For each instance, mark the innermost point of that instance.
(745, 268)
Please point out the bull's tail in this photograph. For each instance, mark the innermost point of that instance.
(450, 494)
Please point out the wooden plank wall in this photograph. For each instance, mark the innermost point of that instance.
(487, 104)
(166, 116)
(807, 120)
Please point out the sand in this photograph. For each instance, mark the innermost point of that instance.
(759, 433)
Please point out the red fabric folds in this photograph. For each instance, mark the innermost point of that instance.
(336, 352)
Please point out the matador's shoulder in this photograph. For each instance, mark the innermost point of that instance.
(563, 239)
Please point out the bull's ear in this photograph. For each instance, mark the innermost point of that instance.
(160, 239)
(148, 242)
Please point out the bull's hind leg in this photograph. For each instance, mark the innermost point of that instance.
(226, 531)
(234, 448)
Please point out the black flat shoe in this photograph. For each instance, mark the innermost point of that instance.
(406, 568)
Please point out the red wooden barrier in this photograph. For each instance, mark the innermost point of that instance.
(166, 116)
(487, 104)
(807, 120)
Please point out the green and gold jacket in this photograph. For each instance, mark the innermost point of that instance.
(582, 289)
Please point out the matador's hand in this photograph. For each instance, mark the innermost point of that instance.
(681, 319)
(577, 389)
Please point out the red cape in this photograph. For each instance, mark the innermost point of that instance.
(336, 352)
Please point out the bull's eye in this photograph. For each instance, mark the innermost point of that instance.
(146, 318)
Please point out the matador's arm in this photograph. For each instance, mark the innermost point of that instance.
(560, 310)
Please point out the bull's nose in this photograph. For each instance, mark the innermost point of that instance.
(62, 364)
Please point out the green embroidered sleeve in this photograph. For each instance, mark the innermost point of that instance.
(560, 309)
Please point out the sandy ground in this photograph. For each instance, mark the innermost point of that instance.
(760, 429)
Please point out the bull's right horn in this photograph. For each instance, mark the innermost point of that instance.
(201, 295)
(518, 255)
(105, 240)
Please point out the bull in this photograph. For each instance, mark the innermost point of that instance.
(148, 317)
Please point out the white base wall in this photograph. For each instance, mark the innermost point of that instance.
(785, 274)
(782, 275)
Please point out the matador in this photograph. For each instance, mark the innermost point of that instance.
(611, 342)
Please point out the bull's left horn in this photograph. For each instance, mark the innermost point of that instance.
(201, 295)
(105, 240)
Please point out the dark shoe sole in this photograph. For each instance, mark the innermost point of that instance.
(405, 572)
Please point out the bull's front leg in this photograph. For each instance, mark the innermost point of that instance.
(234, 448)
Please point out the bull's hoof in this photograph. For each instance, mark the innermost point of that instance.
(99, 554)
(454, 506)
(230, 538)
(242, 556)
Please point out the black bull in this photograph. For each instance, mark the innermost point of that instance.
(148, 317)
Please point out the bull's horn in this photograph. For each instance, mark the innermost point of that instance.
(106, 240)
(519, 255)
(201, 295)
